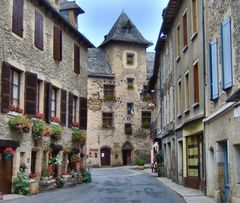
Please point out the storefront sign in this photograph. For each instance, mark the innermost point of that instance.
(94, 104)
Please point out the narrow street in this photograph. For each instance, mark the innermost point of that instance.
(110, 185)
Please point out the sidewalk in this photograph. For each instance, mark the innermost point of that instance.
(11, 197)
(189, 195)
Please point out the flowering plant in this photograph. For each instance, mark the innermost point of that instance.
(9, 151)
(19, 110)
(12, 107)
(40, 129)
(56, 132)
(55, 160)
(64, 173)
(20, 124)
(55, 119)
(75, 124)
(32, 175)
(40, 115)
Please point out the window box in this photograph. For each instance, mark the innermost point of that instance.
(20, 124)
(109, 98)
(57, 132)
(147, 97)
(130, 86)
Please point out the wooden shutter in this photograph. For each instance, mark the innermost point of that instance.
(76, 59)
(6, 73)
(70, 109)
(17, 18)
(213, 65)
(57, 44)
(196, 83)
(185, 29)
(30, 93)
(63, 106)
(227, 53)
(83, 113)
(38, 30)
(47, 103)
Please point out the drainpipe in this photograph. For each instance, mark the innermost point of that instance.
(204, 93)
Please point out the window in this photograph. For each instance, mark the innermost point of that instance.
(187, 92)
(146, 119)
(130, 108)
(38, 96)
(185, 30)
(54, 102)
(107, 120)
(15, 88)
(17, 18)
(178, 41)
(227, 53)
(179, 97)
(196, 82)
(38, 30)
(76, 59)
(213, 58)
(130, 59)
(57, 44)
(130, 83)
(194, 16)
(109, 93)
(83, 113)
(74, 109)
(33, 161)
(128, 128)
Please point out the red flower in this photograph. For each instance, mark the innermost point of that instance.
(40, 116)
(12, 107)
(32, 175)
(19, 110)
(55, 119)
(9, 150)
(75, 124)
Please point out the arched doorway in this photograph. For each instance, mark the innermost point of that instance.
(105, 156)
(127, 153)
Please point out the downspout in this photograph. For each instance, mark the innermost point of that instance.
(204, 92)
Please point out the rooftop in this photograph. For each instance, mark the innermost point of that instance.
(67, 5)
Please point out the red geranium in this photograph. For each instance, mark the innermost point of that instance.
(55, 119)
(75, 124)
(19, 110)
(9, 150)
(40, 116)
(32, 175)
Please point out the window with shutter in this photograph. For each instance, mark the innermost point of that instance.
(47, 102)
(63, 106)
(54, 102)
(185, 30)
(15, 87)
(227, 54)
(179, 97)
(5, 91)
(31, 83)
(74, 109)
(17, 18)
(38, 30)
(213, 69)
(76, 59)
(83, 113)
(57, 44)
(70, 109)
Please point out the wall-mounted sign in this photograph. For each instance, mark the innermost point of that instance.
(94, 104)
(151, 106)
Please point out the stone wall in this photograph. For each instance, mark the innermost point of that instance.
(115, 137)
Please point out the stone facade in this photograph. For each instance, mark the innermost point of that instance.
(222, 121)
(25, 57)
(114, 138)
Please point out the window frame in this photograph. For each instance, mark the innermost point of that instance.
(146, 118)
(108, 92)
(179, 96)
(178, 42)
(187, 91)
(131, 60)
(12, 85)
(54, 89)
(74, 108)
(196, 82)
(132, 105)
(185, 30)
(194, 17)
(107, 119)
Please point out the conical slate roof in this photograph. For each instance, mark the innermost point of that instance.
(124, 30)
(69, 5)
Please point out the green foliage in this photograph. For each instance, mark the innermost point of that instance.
(38, 128)
(46, 173)
(87, 177)
(128, 131)
(130, 86)
(146, 125)
(109, 98)
(55, 160)
(140, 162)
(77, 135)
(20, 124)
(21, 184)
(147, 97)
(57, 131)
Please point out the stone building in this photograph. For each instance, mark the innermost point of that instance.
(43, 61)
(119, 121)
(181, 61)
(222, 100)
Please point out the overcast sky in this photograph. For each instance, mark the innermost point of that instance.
(100, 15)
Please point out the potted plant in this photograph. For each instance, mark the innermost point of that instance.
(23, 167)
(21, 184)
(76, 135)
(40, 116)
(8, 153)
(75, 124)
(140, 164)
(55, 120)
(20, 124)
(33, 183)
(37, 129)
(56, 133)
(46, 175)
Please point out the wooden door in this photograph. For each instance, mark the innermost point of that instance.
(5, 175)
(105, 157)
(127, 157)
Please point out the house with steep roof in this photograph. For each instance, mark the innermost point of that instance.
(118, 119)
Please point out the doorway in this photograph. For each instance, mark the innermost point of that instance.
(5, 174)
(105, 157)
(127, 157)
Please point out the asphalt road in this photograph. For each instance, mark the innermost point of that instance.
(115, 185)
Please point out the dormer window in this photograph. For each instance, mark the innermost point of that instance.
(130, 59)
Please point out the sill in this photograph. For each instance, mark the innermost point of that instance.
(108, 128)
(179, 116)
(178, 59)
(185, 48)
(194, 35)
(14, 113)
(187, 111)
(196, 105)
